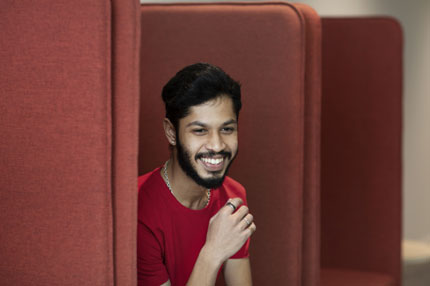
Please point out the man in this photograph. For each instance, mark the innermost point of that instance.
(192, 220)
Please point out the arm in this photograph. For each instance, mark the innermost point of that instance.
(237, 272)
(205, 270)
(150, 267)
(227, 233)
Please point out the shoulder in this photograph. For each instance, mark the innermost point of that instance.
(234, 189)
(150, 197)
(142, 179)
(149, 181)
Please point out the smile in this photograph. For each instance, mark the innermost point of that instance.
(212, 161)
(212, 164)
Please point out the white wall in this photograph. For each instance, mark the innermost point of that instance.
(414, 17)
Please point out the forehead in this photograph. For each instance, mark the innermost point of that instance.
(217, 110)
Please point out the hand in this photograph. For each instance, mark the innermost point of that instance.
(229, 230)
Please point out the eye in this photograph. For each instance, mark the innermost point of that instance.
(199, 131)
(227, 130)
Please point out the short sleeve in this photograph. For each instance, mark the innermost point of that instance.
(150, 267)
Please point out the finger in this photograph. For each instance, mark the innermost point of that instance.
(233, 204)
(247, 221)
(241, 213)
(251, 229)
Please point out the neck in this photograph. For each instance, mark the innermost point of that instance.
(185, 190)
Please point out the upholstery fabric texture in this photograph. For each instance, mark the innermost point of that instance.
(61, 210)
(361, 145)
(311, 182)
(125, 135)
(342, 277)
(263, 46)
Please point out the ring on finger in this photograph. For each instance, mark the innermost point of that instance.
(230, 204)
(247, 221)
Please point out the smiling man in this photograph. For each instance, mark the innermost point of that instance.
(192, 219)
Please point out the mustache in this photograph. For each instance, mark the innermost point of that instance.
(212, 153)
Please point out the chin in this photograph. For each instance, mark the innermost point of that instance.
(209, 179)
(211, 183)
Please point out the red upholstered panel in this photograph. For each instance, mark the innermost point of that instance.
(311, 190)
(57, 223)
(56, 218)
(361, 144)
(341, 277)
(125, 120)
(261, 45)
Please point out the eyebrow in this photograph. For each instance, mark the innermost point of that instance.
(199, 123)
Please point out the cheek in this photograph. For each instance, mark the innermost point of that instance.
(232, 144)
(193, 148)
(188, 142)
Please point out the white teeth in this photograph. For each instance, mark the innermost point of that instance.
(212, 161)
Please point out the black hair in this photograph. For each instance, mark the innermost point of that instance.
(196, 84)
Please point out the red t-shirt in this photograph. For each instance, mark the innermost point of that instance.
(169, 235)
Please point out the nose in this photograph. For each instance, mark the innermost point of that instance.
(215, 142)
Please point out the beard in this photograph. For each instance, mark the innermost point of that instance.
(184, 159)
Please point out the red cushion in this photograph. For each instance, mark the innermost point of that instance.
(361, 166)
(311, 188)
(68, 142)
(262, 46)
(343, 277)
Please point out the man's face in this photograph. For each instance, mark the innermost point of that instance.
(207, 141)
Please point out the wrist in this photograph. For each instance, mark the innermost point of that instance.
(211, 256)
(205, 269)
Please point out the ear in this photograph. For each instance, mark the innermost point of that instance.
(169, 131)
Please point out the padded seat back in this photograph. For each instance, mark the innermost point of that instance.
(263, 46)
(361, 166)
(311, 181)
(67, 214)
